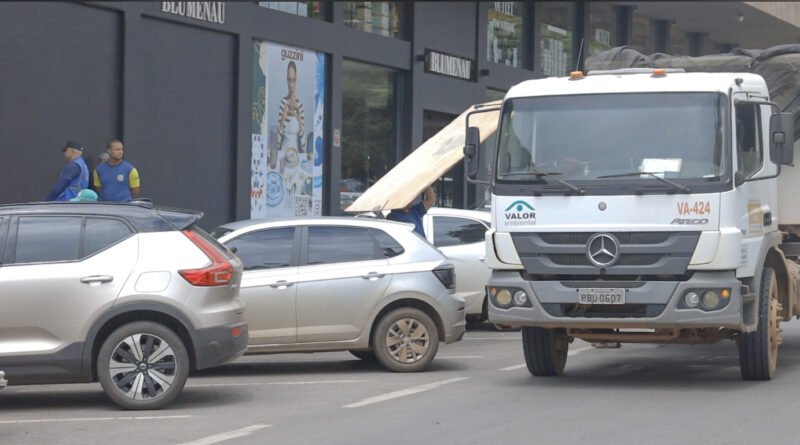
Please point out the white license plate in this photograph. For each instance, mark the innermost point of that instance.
(601, 296)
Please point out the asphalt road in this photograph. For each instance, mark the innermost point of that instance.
(477, 391)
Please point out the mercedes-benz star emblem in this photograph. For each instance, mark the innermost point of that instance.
(602, 249)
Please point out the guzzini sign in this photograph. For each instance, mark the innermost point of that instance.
(449, 65)
(213, 12)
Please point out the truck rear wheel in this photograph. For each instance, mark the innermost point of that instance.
(545, 350)
(758, 350)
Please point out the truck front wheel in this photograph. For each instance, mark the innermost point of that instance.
(545, 350)
(758, 350)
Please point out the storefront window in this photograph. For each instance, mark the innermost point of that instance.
(602, 21)
(643, 34)
(504, 33)
(555, 37)
(305, 9)
(678, 42)
(377, 17)
(368, 127)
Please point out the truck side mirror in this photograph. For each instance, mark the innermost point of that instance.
(781, 138)
(472, 146)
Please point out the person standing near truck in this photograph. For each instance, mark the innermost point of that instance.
(116, 179)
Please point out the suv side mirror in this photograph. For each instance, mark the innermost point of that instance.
(472, 146)
(781, 138)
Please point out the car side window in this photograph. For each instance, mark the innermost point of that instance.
(453, 231)
(264, 249)
(48, 239)
(388, 246)
(102, 233)
(328, 244)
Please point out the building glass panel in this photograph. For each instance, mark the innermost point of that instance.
(678, 44)
(369, 129)
(504, 33)
(555, 20)
(492, 94)
(602, 28)
(314, 10)
(643, 34)
(377, 17)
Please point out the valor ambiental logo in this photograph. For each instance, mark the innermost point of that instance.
(520, 213)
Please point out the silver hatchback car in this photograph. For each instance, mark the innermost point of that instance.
(128, 294)
(372, 287)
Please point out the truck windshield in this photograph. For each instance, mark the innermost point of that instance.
(602, 138)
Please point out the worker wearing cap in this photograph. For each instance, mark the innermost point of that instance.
(74, 175)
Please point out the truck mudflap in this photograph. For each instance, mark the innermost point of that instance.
(618, 304)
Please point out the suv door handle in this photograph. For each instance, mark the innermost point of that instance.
(372, 276)
(281, 284)
(96, 280)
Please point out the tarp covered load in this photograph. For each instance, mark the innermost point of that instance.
(778, 65)
(403, 183)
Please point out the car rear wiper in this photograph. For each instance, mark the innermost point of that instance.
(551, 175)
(680, 187)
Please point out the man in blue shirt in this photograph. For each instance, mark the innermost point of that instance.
(413, 213)
(116, 179)
(74, 175)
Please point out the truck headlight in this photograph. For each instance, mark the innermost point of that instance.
(710, 299)
(692, 299)
(520, 298)
(503, 297)
(508, 297)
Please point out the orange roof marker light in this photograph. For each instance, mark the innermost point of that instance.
(659, 72)
(576, 75)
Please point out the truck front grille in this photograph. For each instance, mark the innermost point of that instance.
(638, 253)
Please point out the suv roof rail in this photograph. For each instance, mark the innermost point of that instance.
(634, 71)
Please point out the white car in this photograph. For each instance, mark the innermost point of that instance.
(459, 235)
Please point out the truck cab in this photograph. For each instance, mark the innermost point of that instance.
(640, 205)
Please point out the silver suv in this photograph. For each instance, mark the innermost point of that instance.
(372, 287)
(127, 294)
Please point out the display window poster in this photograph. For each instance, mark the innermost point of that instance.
(288, 143)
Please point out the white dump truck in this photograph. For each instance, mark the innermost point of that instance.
(642, 205)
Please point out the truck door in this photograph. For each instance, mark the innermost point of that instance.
(757, 199)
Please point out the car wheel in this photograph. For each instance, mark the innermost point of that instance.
(142, 365)
(406, 340)
(367, 356)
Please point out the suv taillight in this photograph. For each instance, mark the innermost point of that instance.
(218, 273)
(447, 276)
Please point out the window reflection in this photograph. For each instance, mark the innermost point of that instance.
(368, 128)
(555, 37)
(376, 17)
(504, 33)
(304, 9)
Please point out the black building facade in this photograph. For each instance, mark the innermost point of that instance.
(276, 108)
